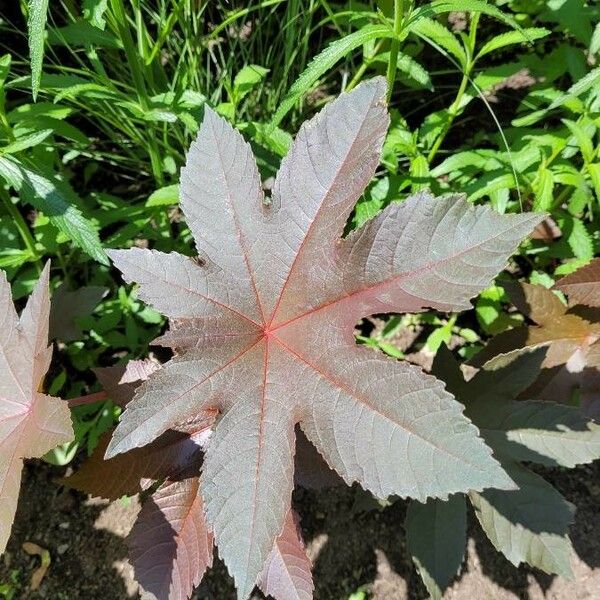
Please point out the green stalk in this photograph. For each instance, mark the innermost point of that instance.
(22, 228)
(394, 46)
(455, 106)
(364, 66)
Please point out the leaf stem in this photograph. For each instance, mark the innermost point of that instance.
(364, 66)
(88, 399)
(394, 46)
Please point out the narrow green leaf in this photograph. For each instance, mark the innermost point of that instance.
(595, 41)
(593, 170)
(27, 141)
(527, 35)
(578, 88)
(82, 33)
(578, 237)
(93, 11)
(52, 199)
(543, 187)
(321, 63)
(36, 29)
(247, 78)
(529, 525)
(583, 140)
(414, 70)
(477, 6)
(440, 37)
(436, 536)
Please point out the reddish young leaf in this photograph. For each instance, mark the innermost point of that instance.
(170, 546)
(287, 572)
(583, 286)
(31, 423)
(570, 336)
(136, 470)
(121, 381)
(264, 322)
(67, 306)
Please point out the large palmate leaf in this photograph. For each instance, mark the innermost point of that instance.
(529, 524)
(263, 322)
(571, 337)
(31, 423)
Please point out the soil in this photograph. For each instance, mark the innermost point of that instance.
(353, 542)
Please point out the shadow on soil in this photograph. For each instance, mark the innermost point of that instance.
(353, 541)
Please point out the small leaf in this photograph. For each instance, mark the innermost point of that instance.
(437, 35)
(527, 35)
(583, 85)
(543, 187)
(247, 78)
(583, 139)
(324, 61)
(414, 70)
(436, 537)
(26, 141)
(165, 196)
(68, 306)
(478, 6)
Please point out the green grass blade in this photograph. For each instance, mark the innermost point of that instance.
(36, 28)
(324, 61)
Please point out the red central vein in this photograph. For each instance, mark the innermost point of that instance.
(197, 293)
(387, 281)
(316, 216)
(239, 234)
(362, 400)
(261, 430)
(198, 384)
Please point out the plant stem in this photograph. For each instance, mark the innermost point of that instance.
(22, 227)
(363, 67)
(88, 399)
(394, 46)
(455, 107)
(133, 60)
